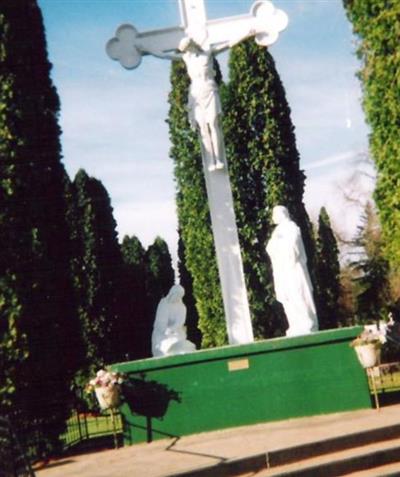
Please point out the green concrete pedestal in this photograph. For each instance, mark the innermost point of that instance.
(238, 385)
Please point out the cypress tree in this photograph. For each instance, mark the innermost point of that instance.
(264, 170)
(134, 299)
(160, 277)
(160, 274)
(193, 213)
(328, 273)
(185, 279)
(347, 299)
(372, 270)
(376, 24)
(38, 331)
(99, 276)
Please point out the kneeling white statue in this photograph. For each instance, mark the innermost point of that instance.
(292, 282)
(169, 331)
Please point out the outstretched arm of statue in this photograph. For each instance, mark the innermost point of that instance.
(173, 55)
(219, 48)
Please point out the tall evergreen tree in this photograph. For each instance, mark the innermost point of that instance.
(160, 274)
(264, 170)
(37, 316)
(193, 213)
(347, 298)
(377, 26)
(372, 269)
(185, 279)
(134, 299)
(160, 277)
(99, 273)
(328, 273)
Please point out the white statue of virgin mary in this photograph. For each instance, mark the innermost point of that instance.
(292, 282)
(169, 331)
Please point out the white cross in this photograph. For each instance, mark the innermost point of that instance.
(210, 36)
(128, 46)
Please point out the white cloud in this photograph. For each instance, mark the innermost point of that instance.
(147, 220)
(114, 128)
(324, 97)
(138, 217)
(329, 161)
(114, 120)
(343, 190)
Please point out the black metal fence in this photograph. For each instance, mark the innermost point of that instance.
(83, 427)
(384, 383)
(20, 448)
(386, 377)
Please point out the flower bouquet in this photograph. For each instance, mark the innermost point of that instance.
(107, 386)
(368, 345)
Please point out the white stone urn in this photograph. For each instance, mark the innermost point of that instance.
(107, 396)
(368, 354)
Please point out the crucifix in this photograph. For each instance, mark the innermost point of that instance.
(196, 41)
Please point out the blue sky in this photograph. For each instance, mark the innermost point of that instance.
(113, 120)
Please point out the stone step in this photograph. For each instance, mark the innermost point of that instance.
(389, 470)
(345, 462)
(351, 452)
(334, 444)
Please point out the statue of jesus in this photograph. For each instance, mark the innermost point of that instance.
(204, 104)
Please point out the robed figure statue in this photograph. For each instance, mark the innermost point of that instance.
(292, 282)
(169, 331)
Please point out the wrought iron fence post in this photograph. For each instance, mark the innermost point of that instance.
(114, 428)
(79, 425)
(86, 425)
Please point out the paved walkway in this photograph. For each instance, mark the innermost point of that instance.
(172, 456)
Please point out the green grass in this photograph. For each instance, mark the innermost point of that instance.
(102, 425)
(84, 427)
(386, 381)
